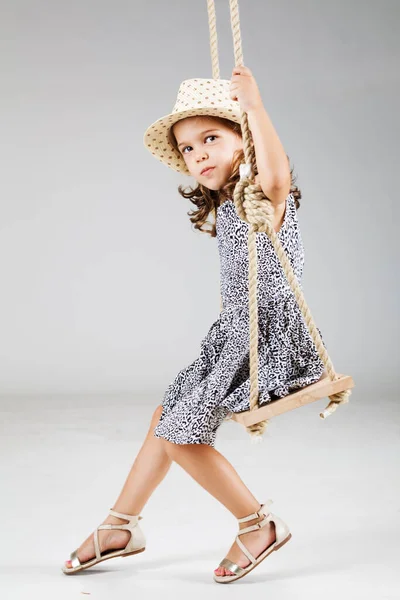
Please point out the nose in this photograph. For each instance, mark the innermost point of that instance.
(202, 157)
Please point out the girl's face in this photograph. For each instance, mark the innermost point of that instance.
(206, 142)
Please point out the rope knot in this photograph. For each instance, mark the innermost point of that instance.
(257, 430)
(335, 400)
(253, 206)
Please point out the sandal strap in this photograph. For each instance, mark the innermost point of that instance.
(75, 562)
(259, 513)
(114, 513)
(96, 543)
(258, 525)
(128, 526)
(228, 564)
(245, 550)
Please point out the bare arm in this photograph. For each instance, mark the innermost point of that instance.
(272, 163)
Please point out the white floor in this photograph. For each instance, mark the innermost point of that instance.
(334, 481)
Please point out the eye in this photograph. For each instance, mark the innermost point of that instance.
(208, 136)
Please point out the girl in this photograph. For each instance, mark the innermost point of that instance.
(202, 138)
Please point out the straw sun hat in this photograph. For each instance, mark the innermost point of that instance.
(209, 97)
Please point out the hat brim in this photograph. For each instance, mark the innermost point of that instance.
(156, 135)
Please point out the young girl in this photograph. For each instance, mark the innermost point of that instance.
(202, 138)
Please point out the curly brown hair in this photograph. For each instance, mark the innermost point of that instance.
(207, 200)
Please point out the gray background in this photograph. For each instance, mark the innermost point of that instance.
(106, 292)
(105, 286)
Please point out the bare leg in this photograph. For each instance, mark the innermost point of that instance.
(215, 474)
(150, 467)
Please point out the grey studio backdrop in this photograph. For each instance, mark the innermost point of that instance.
(106, 288)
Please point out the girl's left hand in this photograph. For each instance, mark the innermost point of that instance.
(244, 89)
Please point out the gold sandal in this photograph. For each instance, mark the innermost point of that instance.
(136, 544)
(283, 535)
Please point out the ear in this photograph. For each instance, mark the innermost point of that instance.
(257, 179)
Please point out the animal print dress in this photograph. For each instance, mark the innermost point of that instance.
(216, 384)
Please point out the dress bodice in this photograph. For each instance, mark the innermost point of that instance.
(232, 238)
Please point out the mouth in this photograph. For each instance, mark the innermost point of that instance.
(207, 171)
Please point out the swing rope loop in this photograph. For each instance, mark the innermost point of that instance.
(256, 209)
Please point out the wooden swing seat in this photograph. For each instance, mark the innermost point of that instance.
(323, 388)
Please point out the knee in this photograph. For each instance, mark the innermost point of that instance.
(168, 446)
(172, 450)
(176, 451)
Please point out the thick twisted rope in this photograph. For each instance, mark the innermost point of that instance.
(257, 210)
